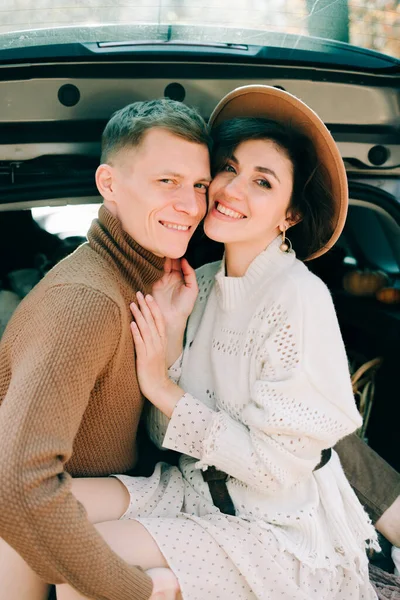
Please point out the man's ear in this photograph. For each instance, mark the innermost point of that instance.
(105, 182)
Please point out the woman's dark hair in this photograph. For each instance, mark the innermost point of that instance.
(311, 198)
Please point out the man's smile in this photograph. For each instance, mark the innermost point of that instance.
(175, 226)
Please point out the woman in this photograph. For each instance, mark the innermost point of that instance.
(262, 390)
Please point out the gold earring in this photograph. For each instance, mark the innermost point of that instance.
(286, 244)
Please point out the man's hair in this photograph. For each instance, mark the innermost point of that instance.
(127, 126)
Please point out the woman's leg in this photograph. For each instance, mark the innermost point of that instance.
(104, 498)
(375, 482)
(389, 523)
(134, 544)
(17, 580)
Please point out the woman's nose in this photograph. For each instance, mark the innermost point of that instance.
(235, 188)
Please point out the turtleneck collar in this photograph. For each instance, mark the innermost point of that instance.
(233, 291)
(138, 266)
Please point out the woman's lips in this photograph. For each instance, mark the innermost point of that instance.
(225, 213)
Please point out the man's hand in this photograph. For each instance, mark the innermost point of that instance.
(165, 584)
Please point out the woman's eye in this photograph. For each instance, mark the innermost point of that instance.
(264, 183)
(229, 169)
(166, 181)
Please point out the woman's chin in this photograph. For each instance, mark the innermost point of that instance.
(216, 234)
(216, 230)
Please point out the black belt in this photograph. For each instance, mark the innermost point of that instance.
(325, 456)
(219, 492)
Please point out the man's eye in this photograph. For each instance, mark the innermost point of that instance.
(264, 183)
(229, 168)
(201, 186)
(166, 180)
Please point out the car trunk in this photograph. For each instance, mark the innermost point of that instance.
(55, 101)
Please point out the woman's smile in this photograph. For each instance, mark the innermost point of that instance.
(226, 213)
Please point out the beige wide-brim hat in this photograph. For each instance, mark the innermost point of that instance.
(272, 103)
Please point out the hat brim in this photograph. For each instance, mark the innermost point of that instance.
(273, 103)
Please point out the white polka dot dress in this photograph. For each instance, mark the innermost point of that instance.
(222, 557)
(267, 389)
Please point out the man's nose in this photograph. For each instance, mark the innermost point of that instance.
(192, 203)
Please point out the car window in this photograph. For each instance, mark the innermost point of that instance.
(373, 236)
(373, 24)
(66, 221)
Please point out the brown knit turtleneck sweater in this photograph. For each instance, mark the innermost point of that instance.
(70, 401)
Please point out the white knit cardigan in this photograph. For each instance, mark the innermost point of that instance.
(268, 388)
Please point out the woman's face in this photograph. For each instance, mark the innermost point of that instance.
(249, 198)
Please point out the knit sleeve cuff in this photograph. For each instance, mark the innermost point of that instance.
(188, 426)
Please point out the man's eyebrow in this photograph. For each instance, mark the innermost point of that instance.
(259, 169)
(166, 174)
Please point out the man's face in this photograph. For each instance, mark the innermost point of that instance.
(158, 190)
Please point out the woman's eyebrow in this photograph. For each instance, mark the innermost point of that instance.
(259, 169)
(268, 171)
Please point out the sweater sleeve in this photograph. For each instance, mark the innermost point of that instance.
(59, 350)
(300, 401)
(156, 422)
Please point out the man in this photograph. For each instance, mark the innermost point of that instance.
(70, 398)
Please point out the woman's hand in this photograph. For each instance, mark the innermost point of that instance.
(148, 330)
(165, 584)
(175, 294)
(176, 291)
